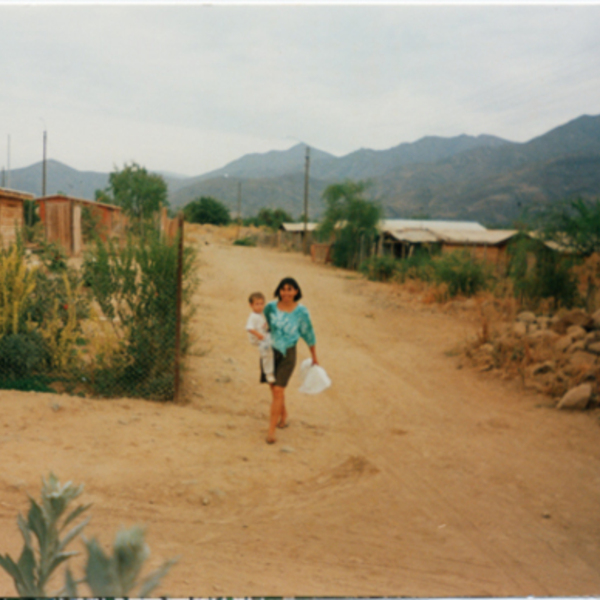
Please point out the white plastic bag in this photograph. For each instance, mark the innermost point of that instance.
(314, 378)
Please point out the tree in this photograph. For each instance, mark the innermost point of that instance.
(575, 224)
(207, 210)
(137, 192)
(272, 218)
(352, 220)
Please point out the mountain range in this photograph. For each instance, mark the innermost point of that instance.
(482, 178)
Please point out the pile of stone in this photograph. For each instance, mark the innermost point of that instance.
(560, 354)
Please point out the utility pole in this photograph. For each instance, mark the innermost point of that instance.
(239, 207)
(3, 177)
(44, 167)
(8, 163)
(306, 170)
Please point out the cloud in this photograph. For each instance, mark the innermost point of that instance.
(191, 87)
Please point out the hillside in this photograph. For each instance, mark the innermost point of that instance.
(496, 185)
(59, 178)
(484, 177)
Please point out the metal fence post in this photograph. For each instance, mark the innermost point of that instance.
(178, 301)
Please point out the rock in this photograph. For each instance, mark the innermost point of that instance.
(582, 359)
(575, 346)
(287, 449)
(543, 322)
(576, 332)
(526, 317)
(595, 348)
(565, 319)
(596, 319)
(543, 336)
(563, 343)
(487, 348)
(576, 398)
(578, 317)
(542, 368)
(520, 328)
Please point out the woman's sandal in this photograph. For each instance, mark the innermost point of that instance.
(270, 440)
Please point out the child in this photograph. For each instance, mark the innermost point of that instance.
(258, 333)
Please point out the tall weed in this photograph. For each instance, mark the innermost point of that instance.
(135, 287)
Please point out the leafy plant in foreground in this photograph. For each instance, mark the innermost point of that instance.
(45, 550)
(44, 526)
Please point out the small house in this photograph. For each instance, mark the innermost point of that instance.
(400, 237)
(62, 217)
(490, 245)
(291, 235)
(11, 214)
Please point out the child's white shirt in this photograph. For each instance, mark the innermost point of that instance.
(256, 322)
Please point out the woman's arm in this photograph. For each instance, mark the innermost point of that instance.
(308, 335)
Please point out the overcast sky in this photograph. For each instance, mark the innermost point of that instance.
(188, 88)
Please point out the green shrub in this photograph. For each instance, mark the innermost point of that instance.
(53, 257)
(462, 273)
(539, 272)
(45, 550)
(207, 210)
(22, 354)
(53, 289)
(135, 287)
(379, 268)
(245, 241)
(417, 266)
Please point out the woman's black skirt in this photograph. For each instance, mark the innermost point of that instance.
(284, 367)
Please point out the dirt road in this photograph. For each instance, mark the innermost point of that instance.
(409, 477)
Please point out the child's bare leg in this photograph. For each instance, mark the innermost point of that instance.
(277, 406)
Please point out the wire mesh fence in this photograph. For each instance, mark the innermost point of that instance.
(115, 325)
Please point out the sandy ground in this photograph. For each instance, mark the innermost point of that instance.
(409, 477)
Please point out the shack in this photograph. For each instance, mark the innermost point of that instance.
(62, 218)
(400, 237)
(11, 214)
(489, 245)
(291, 235)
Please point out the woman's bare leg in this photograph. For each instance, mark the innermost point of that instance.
(277, 410)
(283, 418)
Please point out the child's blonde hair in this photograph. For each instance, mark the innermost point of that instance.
(256, 296)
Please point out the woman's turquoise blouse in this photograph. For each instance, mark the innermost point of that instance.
(288, 327)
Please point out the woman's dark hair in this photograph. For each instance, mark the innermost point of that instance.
(288, 281)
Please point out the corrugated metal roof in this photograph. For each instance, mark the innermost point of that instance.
(490, 237)
(413, 236)
(15, 194)
(298, 227)
(398, 224)
(80, 201)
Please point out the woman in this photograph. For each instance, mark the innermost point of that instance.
(288, 322)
